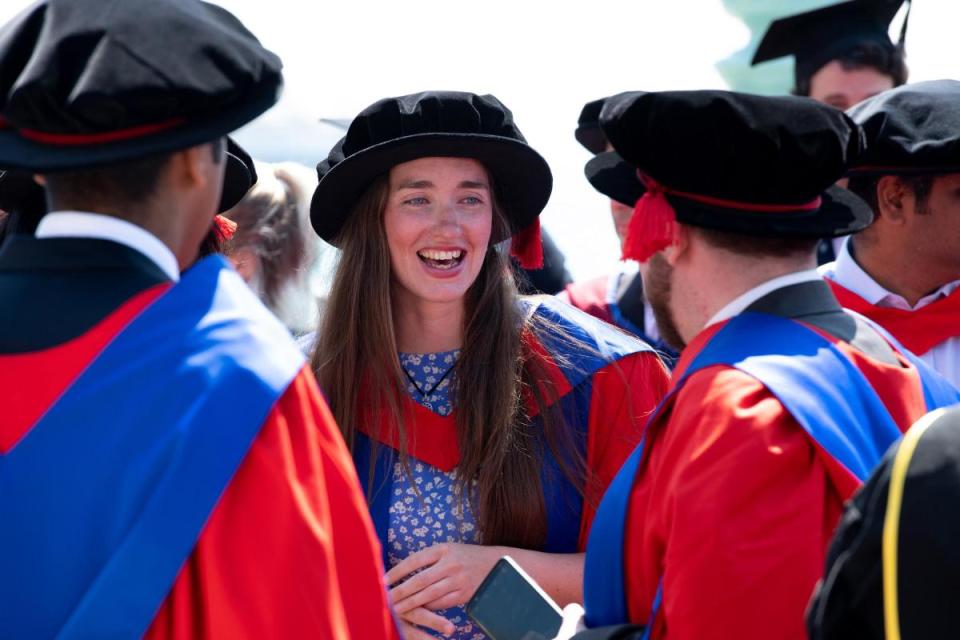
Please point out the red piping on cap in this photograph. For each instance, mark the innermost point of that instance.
(527, 247)
(654, 222)
(67, 139)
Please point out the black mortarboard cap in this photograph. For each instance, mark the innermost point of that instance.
(913, 129)
(88, 82)
(588, 133)
(816, 37)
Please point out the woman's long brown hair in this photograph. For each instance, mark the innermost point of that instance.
(501, 447)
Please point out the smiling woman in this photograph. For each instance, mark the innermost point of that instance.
(481, 423)
(437, 219)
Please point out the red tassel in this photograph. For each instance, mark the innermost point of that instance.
(224, 228)
(526, 246)
(653, 225)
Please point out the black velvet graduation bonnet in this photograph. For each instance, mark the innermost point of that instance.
(754, 165)
(90, 82)
(436, 124)
(913, 129)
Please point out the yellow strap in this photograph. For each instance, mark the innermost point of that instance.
(891, 521)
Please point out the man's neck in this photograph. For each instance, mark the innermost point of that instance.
(727, 281)
(898, 271)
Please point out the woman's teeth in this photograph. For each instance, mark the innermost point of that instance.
(441, 259)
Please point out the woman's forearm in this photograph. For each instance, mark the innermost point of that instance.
(559, 574)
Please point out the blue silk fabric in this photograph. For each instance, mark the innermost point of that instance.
(104, 498)
(563, 501)
(815, 382)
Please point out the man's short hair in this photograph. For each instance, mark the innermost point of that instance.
(886, 60)
(125, 182)
(866, 188)
(758, 246)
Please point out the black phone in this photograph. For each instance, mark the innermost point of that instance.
(509, 604)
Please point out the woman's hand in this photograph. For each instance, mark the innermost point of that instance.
(412, 621)
(449, 575)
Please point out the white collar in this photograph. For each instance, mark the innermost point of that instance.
(82, 224)
(846, 272)
(744, 300)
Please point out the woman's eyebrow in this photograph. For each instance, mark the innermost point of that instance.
(415, 184)
(426, 184)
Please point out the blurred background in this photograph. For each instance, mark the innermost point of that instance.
(543, 59)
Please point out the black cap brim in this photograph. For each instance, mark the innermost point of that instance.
(612, 176)
(19, 152)
(588, 133)
(23, 199)
(239, 176)
(521, 176)
(591, 138)
(841, 213)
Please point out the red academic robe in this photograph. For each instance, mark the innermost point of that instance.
(296, 494)
(590, 296)
(736, 509)
(288, 550)
(622, 394)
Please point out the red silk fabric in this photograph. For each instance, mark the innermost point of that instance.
(919, 330)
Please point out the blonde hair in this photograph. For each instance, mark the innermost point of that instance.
(273, 225)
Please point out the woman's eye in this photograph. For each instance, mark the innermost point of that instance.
(472, 200)
(419, 200)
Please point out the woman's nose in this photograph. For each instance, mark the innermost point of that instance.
(447, 215)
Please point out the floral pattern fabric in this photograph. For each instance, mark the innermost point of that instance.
(430, 379)
(426, 507)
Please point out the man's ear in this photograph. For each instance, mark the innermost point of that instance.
(188, 166)
(680, 245)
(892, 199)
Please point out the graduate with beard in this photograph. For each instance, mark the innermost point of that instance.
(616, 298)
(781, 403)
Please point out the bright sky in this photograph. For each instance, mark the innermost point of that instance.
(542, 59)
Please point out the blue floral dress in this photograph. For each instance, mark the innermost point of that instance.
(437, 514)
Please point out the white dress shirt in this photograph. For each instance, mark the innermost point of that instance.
(739, 304)
(944, 357)
(81, 224)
